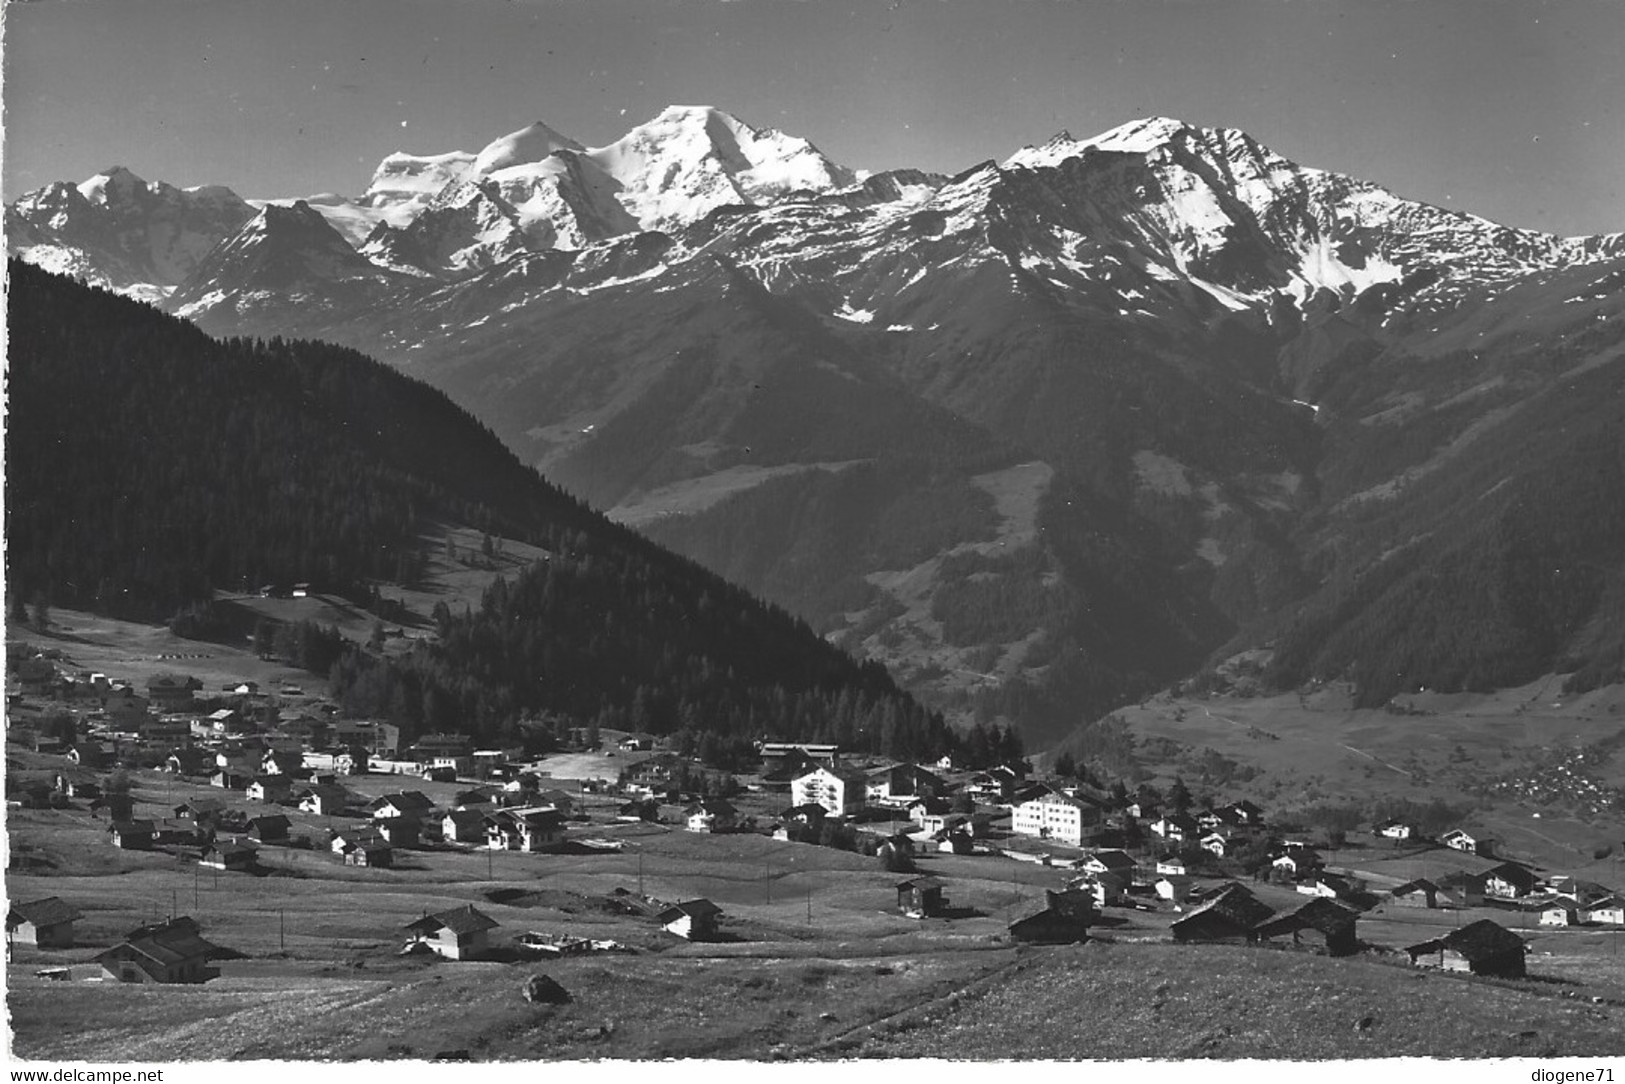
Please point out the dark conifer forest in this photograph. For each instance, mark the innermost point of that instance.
(149, 466)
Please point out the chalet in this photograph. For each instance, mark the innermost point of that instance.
(226, 779)
(955, 841)
(1105, 888)
(838, 790)
(1214, 843)
(463, 826)
(1173, 866)
(280, 762)
(267, 829)
(132, 835)
(227, 722)
(342, 840)
(324, 799)
(529, 830)
(636, 743)
(171, 692)
(200, 809)
(1056, 817)
(1175, 827)
(1298, 861)
(1229, 915)
(430, 748)
(1461, 840)
(901, 784)
(233, 855)
(1323, 923)
(1173, 887)
(1243, 813)
(922, 809)
(693, 920)
(47, 923)
(920, 897)
(1483, 948)
(711, 815)
(1418, 893)
(399, 831)
(375, 853)
(169, 952)
(1396, 830)
(409, 803)
(1609, 911)
(1581, 893)
(994, 785)
(1110, 861)
(459, 934)
(473, 796)
(270, 788)
(1461, 889)
(1064, 921)
(1509, 881)
(1560, 913)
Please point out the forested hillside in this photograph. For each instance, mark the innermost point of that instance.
(149, 465)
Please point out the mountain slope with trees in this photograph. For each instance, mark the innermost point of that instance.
(149, 465)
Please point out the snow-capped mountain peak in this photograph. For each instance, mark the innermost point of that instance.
(524, 147)
(112, 185)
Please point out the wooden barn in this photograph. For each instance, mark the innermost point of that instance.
(1228, 916)
(1483, 948)
(47, 923)
(1322, 923)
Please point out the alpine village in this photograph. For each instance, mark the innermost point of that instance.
(897, 615)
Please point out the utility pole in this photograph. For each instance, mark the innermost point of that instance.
(809, 910)
(640, 873)
(281, 930)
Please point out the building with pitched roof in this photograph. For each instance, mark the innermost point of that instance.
(1321, 922)
(47, 923)
(1229, 916)
(693, 920)
(458, 934)
(1482, 948)
(168, 952)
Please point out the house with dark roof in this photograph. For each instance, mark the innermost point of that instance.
(47, 923)
(711, 815)
(920, 897)
(463, 826)
(1322, 923)
(529, 830)
(233, 855)
(458, 934)
(1608, 911)
(169, 952)
(1110, 861)
(406, 803)
(270, 828)
(171, 692)
(325, 799)
(1509, 881)
(1421, 893)
(132, 835)
(1229, 915)
(693, 920)
(400, 831)
(1482, 948)
(1064, 921)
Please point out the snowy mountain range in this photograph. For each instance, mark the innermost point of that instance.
(1040, 435)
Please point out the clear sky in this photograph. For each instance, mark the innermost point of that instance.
(1511, 110)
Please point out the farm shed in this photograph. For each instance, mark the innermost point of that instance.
(47, 923)
(695, 920)
(1228, 916)
(1322, 923)
(1483, 948)
(920, 897)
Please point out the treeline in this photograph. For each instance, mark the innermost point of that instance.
(601, 636)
